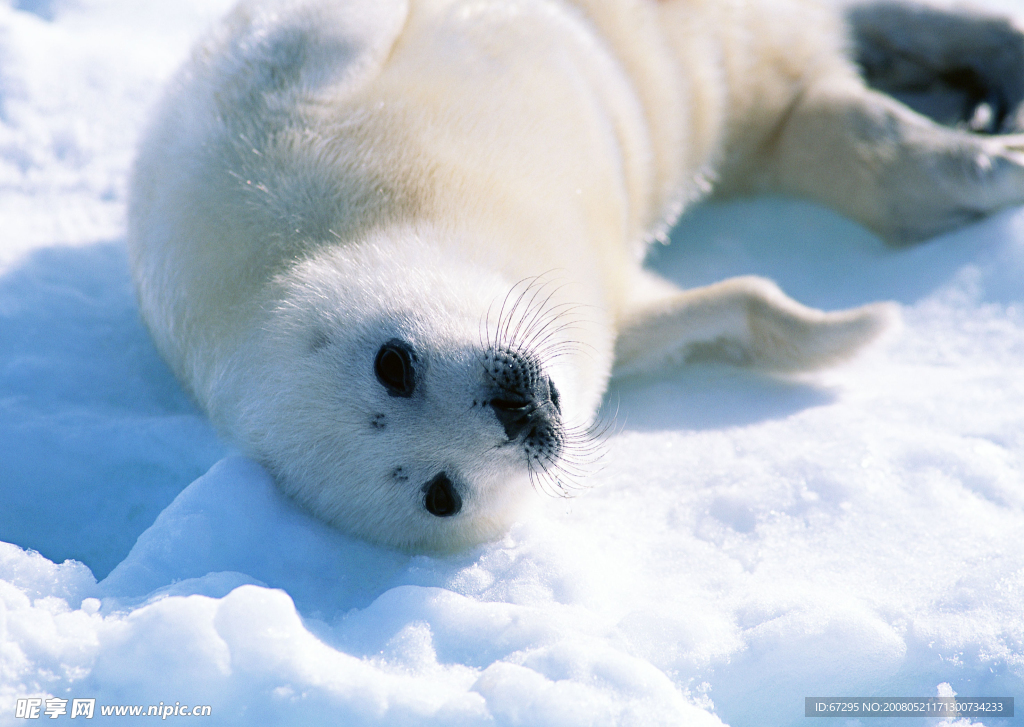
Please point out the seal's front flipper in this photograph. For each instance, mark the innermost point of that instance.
(745, 321)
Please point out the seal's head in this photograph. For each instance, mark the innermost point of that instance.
(405, 400)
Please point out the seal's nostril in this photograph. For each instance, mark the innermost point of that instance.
(514, 415)
(511, 405)
(442, 499)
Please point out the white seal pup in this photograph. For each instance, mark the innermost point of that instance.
(394, 248)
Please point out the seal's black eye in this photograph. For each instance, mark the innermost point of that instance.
(442, 499)
(393, 367)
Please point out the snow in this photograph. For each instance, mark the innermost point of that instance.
(750, 540)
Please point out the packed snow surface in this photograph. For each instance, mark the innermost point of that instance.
(750, 541)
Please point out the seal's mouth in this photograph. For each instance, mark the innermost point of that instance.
(441, 498)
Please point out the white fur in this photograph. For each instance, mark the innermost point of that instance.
(324, 176)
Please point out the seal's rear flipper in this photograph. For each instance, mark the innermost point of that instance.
(746, 321)
(960, 67)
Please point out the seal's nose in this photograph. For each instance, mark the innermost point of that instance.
(526, 403)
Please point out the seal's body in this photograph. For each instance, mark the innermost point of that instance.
(394, 249)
